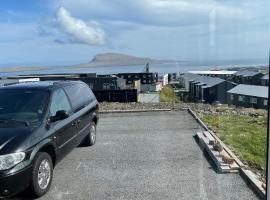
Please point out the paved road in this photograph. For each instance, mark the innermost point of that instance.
(144, 156)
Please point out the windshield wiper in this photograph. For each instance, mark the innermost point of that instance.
(14, 120)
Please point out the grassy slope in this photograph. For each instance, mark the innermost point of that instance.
(167, 95)
(245, 135)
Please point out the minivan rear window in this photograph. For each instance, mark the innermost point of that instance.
(79, 95)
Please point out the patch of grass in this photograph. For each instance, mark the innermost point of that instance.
(245, 135)
(167, 95)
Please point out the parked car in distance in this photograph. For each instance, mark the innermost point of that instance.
(40, 123)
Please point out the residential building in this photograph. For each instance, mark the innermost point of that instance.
(206, 89)
(249, 96)
(265, 80)
(223, 74)
(248, 77)
(145, 78)
(95, 83)
(185, 79)
(166, 79)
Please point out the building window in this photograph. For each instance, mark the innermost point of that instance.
(232, 97)
(265, 102)
(253, 100)
(129, 82)
(129, 76)
(150, 75)
(241, 98)
(144, 81)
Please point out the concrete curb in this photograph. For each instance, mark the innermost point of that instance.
(247, 175)
(204, 138)
(239, 162)
(255, 184)
(134, 111)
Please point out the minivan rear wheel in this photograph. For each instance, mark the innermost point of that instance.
(42, 174)
(91, 138)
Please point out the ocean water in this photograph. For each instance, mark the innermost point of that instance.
(162, 69)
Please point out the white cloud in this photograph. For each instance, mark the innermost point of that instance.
(156, 12)
(180, 29)
(80, 31)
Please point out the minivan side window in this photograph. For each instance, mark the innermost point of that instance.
(79, 95)
(59, 102)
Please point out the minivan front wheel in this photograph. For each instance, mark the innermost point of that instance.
(91, 138)
(42, 174)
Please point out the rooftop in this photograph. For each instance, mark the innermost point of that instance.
(217, 72)
(203, 80)
(36, 85)
(247, 73)
(250, 90)
(266, 77)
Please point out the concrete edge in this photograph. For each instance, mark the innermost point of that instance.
(248, 175)
(222, 167)
(255, 184)
(239, 162)
(133, 111)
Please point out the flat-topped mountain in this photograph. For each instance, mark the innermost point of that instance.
(99, 60)
(117, 59)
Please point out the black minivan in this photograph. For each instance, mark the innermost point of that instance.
(41, 122)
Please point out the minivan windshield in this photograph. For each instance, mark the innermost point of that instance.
(22, 106)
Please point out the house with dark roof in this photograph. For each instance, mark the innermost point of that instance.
(206, 89)
(265, 80)
(223, 74)
(248, 77)
(185, 80)
(248, 96)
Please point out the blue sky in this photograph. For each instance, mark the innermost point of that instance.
(48, 32)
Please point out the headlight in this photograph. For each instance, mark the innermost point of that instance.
(10, 160)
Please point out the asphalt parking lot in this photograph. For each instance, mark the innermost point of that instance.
(144, 156)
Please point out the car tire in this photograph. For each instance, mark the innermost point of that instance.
(91, 138)
(42, 174)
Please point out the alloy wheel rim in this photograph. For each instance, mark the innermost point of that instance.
(44, 174)
(93, 133)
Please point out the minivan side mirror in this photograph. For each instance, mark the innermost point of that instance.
(60, 115)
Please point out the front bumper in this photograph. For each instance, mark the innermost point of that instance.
(14, 183)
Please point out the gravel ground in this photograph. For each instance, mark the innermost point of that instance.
(197, 107)
(139, 106)
(144, 156)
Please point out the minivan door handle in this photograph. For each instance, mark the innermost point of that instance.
(74, 123)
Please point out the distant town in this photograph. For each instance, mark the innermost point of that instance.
(241, 87)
